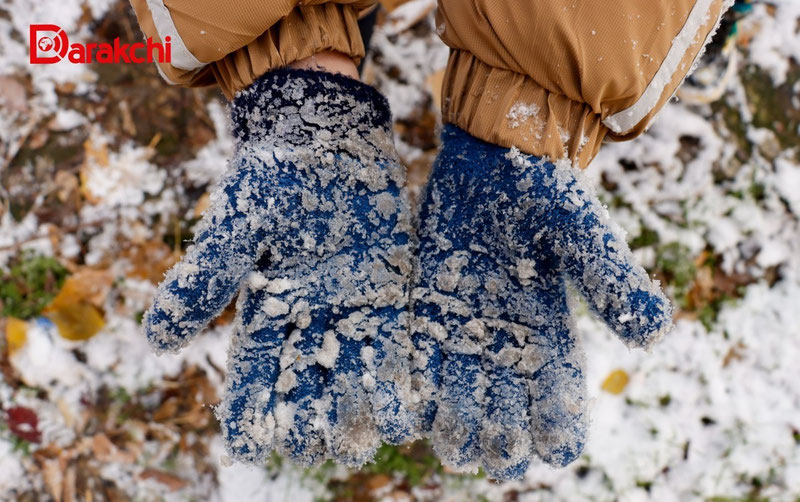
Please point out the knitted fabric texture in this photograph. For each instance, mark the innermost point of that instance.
(498, 365)
(310, 224)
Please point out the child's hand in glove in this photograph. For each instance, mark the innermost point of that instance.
(500, 232)
(311, 226)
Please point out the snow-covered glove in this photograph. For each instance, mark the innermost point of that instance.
(500, 233)
(310, 224)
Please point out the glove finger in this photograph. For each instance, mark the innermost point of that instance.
(353, 437)
(557, 392)
(300, 412)
(596, 256)
(203, 283)
(392, 373)
(451, 291)
(506, 445)
(246, 412)
(461, 410)
(427, 361)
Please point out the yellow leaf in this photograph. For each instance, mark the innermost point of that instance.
(75, 309)
(16, 334)
(76, 321)
(615, 382)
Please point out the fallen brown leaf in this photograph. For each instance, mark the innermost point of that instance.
(13, 97)
(377, 482)
(150, 260)
(734, 354)
(87, 285)
(67, 186)
(96, 153)
(202, 204)
(53, 478)
(106, 451)
(174, 483)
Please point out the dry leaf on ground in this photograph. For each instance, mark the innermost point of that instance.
(76, 308)
(16, 334)
(616, 381)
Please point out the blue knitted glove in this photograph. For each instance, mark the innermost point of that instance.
(310, 224)
(498, 363)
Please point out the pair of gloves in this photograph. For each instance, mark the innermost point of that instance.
(353, 328)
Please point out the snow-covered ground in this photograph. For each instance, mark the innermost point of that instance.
(713, 411)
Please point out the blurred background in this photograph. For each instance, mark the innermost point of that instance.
(105, 171)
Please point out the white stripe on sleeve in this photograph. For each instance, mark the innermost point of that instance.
(181, 57)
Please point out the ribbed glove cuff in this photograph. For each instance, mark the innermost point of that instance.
(298, 106)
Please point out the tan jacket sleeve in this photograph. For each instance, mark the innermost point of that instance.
(234, 42)
(555, 77)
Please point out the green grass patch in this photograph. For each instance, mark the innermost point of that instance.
(647, 237)
(414, 464)
(676, 264)
(31, 283)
